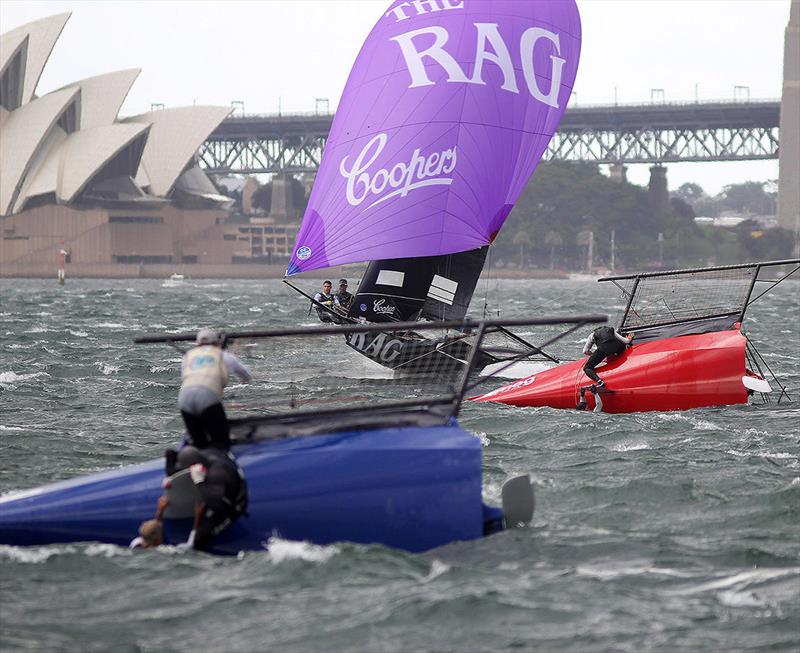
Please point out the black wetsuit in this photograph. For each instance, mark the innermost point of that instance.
(223, 491)
(224, 494)
(607, 345)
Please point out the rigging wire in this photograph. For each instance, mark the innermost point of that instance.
(486, 285)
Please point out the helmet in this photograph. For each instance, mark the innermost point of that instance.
(207, 337)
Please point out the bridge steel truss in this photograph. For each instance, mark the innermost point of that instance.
(730, 131)
(654, 133)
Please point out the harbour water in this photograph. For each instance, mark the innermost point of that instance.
(654, 531)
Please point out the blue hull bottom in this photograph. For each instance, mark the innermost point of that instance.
(413, 488)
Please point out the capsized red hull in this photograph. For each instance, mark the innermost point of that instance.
(670, 374)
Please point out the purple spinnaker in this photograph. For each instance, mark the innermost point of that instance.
(446, 113)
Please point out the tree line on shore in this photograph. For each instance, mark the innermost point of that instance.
(567, 206)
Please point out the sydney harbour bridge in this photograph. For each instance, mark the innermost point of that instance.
(617, 134)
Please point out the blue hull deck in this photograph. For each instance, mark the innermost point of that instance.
(413, 488)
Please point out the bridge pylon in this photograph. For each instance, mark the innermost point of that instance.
(789, 151)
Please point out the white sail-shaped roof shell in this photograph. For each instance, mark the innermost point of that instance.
(72, 161)
(86, 152)
(13, 54)
(23, 134)
(59, 143)
(174, 138)
(9, 45)
(103, 95)
(42, 35)
(76, 159)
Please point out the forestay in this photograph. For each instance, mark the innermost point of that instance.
(446, 113)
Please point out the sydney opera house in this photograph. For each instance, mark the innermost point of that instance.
(117, 195)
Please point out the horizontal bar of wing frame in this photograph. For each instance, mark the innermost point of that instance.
(738, 266)
(385, 326)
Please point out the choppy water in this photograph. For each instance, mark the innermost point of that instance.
(659, 531)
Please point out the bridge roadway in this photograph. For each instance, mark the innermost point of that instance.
(614, 134)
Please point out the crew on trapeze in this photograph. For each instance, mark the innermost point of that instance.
(328, 306)
(608, 342)
(342, 300)
(324, 303)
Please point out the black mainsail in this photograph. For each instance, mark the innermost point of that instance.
(436, 288)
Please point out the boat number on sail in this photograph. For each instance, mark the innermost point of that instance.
(420, 171)
(303, 252)
(378, 348)
(379, 306)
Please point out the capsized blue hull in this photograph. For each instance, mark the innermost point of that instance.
(413, 488)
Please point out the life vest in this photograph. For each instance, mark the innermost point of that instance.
(604, 335)
(606, 341)
(345, 299)
(324, 315)
(203, 367)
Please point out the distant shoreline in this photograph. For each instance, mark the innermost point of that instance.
(165, 271)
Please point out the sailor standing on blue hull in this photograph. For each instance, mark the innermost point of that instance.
(204, 374)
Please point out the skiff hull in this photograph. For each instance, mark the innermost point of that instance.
(413, 488)
(678, 373)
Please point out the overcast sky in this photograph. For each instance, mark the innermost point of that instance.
(290, 52)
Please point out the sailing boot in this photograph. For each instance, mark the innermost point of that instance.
(582, 403)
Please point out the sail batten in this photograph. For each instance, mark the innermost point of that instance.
(446, 113)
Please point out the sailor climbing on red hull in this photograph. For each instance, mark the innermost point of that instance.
(608, 342)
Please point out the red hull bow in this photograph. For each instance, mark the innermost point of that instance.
(670, 374)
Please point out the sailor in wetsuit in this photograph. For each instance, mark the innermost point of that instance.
(325, 298)
(609, 342)
(222, 496)
(204, 373)
(342, 300)
(221, 488)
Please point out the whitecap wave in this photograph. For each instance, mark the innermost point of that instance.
(704, 425)
(103, 550)
(762, 454)
(108, 369)
(633, 446)
(734, 599)
(11, 377)
(741, 581)
(437, 569)
(32, 555)
(281, 550)
(482, 437)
